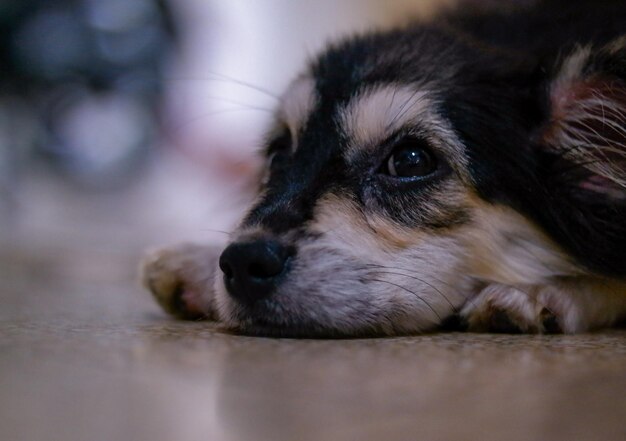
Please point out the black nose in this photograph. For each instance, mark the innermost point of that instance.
(252, 269)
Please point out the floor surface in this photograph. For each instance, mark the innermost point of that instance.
(86, 355)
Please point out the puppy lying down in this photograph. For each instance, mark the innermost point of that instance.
(473, 168)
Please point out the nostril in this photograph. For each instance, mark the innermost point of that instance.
(271, 267)
(256, 270)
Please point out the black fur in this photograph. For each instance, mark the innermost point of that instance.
(491, 74)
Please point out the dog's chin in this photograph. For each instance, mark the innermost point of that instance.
(299, 332)
(259, 322)
(261, 328)
(262, 320)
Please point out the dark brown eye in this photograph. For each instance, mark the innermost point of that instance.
(410, 159)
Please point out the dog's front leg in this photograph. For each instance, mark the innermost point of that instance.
(569, 306)
(181, 278)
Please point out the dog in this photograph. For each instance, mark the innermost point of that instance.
(464, 173)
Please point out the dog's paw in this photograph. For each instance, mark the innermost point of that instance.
(507, 309)
(181, 279)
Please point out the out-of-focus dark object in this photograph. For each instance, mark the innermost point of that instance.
(80, 82)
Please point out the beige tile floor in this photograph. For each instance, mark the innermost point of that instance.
(86, 356)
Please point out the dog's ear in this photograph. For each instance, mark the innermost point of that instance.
(586, 131)
(584, 143)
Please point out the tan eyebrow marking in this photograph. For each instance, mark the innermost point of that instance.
(296, 104)
(377, 113)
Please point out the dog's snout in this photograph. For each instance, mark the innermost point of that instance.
(252, 269)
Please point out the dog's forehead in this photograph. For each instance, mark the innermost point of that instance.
(365, 89)
(367, 115)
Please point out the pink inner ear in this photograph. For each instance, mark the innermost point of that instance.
(594, 95)
(564, 98)
(600, 184)
(588, 127)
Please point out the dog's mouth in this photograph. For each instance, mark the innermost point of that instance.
(255, 326)
(262, 328)
(300, 331)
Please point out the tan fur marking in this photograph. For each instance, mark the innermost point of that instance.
(376, 113)
(297, 104)
(341, 216)
(505, 247)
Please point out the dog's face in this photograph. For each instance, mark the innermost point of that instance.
(402, 174)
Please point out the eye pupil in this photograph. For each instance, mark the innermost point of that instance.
(411, 161)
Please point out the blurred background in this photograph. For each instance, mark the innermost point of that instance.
(127, 123)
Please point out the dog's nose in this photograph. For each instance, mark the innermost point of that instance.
(252, 269)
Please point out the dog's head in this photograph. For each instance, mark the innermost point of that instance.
(407, 169)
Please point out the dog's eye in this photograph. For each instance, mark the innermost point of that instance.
(411, 158)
